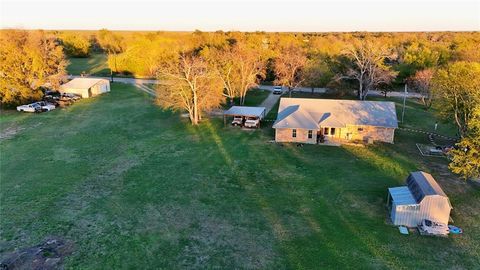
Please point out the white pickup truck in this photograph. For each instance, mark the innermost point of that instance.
(252, 122)
(34, 107)
(46, 106)
(237, 120)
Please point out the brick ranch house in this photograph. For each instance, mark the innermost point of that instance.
(306, 120)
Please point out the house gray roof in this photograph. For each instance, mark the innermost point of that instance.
(309, 113)
(402, 196)
(246, 111)
(422, 184)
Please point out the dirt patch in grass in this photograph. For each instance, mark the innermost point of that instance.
(208, 240)
(9, 132)
(65, 154)
(217, 241)
(47, 255)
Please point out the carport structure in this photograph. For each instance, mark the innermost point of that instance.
(244, 111)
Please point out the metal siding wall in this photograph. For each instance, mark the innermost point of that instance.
(404, 216)
(435, 208)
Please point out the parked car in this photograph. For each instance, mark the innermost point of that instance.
(67, 99)
(51, 95)
(434, 228)
(252, 122)
(277, 90)
(237, 121)
(70, 96)
(46, 106)
(34, 107)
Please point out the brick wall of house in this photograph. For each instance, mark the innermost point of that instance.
(348, 133)
(376, 133)
(285, 135)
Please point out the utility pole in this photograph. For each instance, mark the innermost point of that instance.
(404, 99)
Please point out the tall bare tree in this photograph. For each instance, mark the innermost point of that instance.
(222, 62)
(191, 86)
(421, 82)
(288, 66)
(368, 66)
(29, 61)
(239, 66)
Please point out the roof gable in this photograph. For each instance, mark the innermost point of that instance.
(295, 117)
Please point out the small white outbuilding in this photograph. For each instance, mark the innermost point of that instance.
(422, 198)
(86, 87)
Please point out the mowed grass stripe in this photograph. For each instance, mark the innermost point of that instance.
(133, 186)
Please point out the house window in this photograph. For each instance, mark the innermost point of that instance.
(310, 134)
(360, 129)
(332, 131)
(325, 131)
(294, 133)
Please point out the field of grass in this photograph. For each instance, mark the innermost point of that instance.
(95, 65)
(132, 186)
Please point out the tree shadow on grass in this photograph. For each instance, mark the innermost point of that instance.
(297, 223)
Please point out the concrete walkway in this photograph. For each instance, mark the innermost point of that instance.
(146, 89)
(269, 102)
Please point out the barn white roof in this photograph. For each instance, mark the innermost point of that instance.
(82, 83)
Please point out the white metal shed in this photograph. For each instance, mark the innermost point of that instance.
(421, 199)
(86, 87)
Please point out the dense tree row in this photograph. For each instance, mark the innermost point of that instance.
(29, 61)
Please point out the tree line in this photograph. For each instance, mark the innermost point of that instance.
(202, 70)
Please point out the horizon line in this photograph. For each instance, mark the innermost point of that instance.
(244, 31)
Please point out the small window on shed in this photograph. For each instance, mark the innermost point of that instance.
(412, 207)
(310, 134)
(294, 133)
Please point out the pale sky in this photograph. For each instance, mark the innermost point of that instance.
(264, 15)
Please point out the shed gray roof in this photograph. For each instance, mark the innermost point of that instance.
(422, 184)
(402, 196)
(246, 111)
(312, 113)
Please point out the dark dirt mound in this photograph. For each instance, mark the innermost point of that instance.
(47, 255)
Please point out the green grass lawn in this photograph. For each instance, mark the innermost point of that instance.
(132, 186)
(96, 65)
(254, 97)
